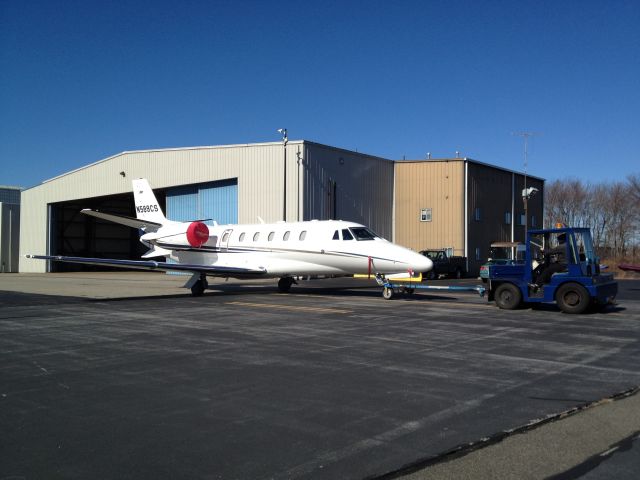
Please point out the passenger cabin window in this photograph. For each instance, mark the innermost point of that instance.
(225, 237)
(271, 235)
(361, 233)
(256, 236)
(336, 235)
(303, 235)
(346, 235)
(242, 237)
(286, 235)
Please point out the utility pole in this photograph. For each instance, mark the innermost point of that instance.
(526, 192)
(285, 139)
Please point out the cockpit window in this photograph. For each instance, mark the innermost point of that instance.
(336, 235)
(362, 233)
(346, 235)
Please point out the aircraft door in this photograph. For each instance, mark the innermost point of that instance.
(224, 240)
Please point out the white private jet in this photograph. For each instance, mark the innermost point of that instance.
(281, 250)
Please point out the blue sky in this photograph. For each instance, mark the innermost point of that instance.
(84, 80)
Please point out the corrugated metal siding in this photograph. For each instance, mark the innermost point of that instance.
(490, 191)
(438, 185)
(10, 195)
(258, 168)
(182, 204)
(363, 190)
(216, 201)
(9, 237)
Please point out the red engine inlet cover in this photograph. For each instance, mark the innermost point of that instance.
(197, 234)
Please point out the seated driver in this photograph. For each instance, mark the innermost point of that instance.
(555, 260)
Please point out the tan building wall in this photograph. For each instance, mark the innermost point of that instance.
(438, 185)
(493, 210)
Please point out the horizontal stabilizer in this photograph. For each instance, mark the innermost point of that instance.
(156, 252)
(153, 265)
(145, 225)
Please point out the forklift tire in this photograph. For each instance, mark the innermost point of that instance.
(508, 296)
(572, 298)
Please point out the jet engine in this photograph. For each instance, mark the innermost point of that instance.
(176, 235)
(197, 234)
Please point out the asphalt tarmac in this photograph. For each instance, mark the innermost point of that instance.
(123, 375)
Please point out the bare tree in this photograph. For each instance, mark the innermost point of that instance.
(611, 210)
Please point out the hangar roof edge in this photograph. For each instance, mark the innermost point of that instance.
(203, 147)
(170, 149)
(471, 160)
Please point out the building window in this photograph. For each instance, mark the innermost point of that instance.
(533, 221)
(478, 214)
(507, 218)
(425, 215)
(478, 253)
(521, 219)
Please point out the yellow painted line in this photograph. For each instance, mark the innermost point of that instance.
(290, 307)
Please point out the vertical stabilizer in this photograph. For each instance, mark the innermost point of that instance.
(147, 206)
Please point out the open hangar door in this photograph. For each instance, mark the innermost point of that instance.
(74, 234)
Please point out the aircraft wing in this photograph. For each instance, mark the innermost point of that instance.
(153, 265)
(145, 225)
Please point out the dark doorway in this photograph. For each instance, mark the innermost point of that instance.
(79, 235)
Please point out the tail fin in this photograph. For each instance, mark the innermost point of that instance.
(147, 206)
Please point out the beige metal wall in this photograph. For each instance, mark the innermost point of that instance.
(258, 168)
(438, 185)
(363, 191)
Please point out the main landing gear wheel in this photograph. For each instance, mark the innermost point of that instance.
(284, 284)
(387, 293)
(572, 298)
(508, 296)
(199, 287)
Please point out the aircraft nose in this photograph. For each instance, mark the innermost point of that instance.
(421, 263)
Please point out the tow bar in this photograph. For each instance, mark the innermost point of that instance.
(389, 288)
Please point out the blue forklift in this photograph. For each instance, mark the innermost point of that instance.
(560, 266)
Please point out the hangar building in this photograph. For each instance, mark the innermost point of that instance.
(231, 184)
(239, 183)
